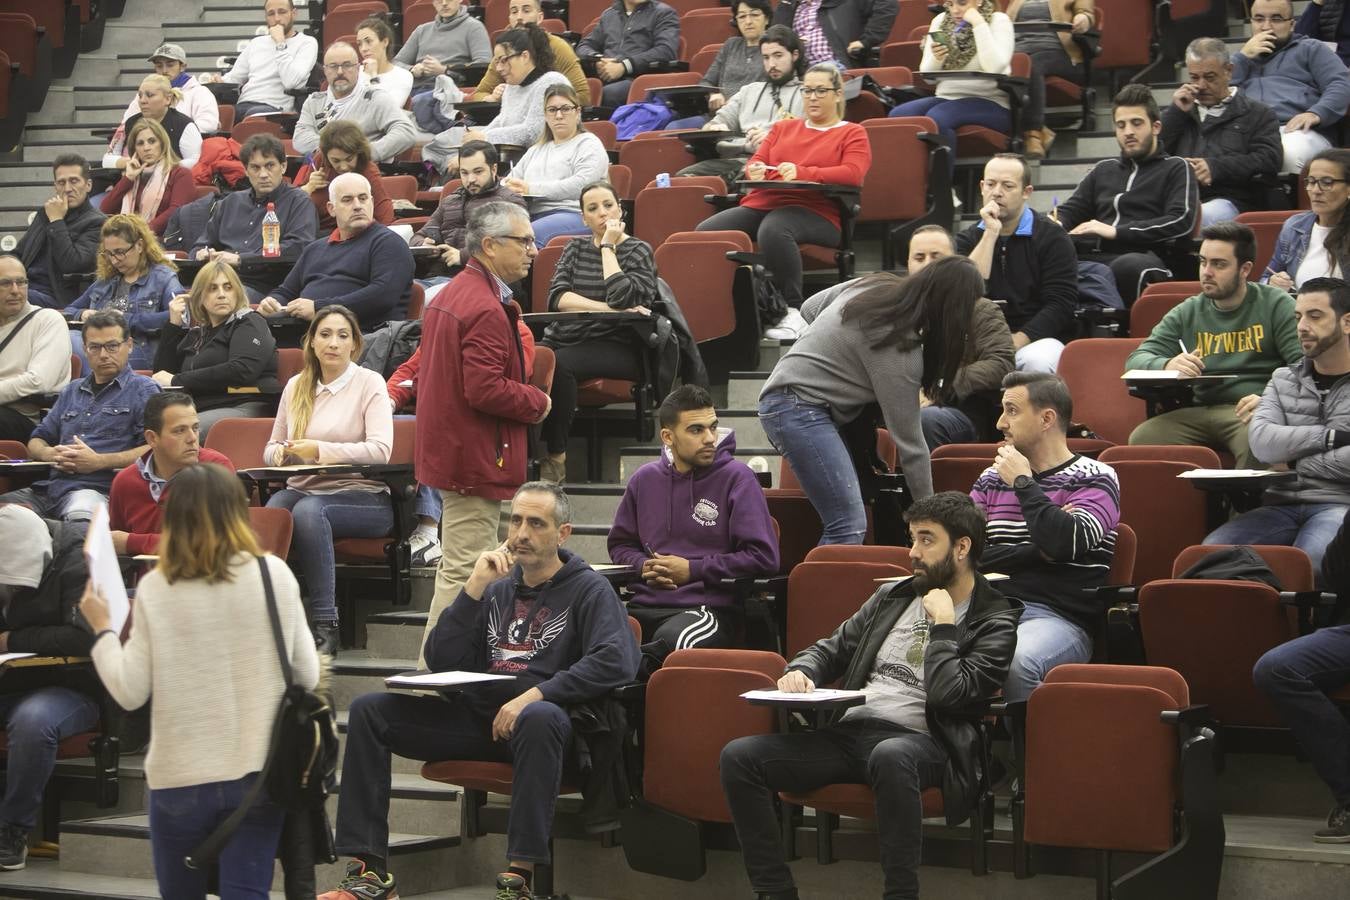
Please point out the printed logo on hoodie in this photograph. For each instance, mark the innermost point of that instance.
(513, 644)
(705, 513)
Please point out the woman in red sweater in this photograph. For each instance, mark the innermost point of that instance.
(820, 148)
(343, 147)
(153, 184)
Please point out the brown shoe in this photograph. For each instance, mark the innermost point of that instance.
(1032, 145)
(554, 470)
(1047, 138)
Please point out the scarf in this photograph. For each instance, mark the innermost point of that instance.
(145, 196)
(961, 37)
(181, 80)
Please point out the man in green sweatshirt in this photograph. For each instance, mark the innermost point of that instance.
(1232, 327)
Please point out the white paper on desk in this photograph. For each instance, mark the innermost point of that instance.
(1230, 473)
(1151, 375)
(443, 679)
(798, 697)
(988, 576)
(10, 657)
(104, 571)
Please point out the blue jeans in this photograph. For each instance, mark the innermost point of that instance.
(560, 221)
(181, 818)
(1308, 526)
(688, 122)
(428, 502)
(1297, 677)
(1217, 210)
(319, 518)
(73, 506)
(35, 722)
(809, 440)
(1044, 640)
(952, 114)
(946, 425)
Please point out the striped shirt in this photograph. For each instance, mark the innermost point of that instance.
(581, 271)
(1054, 537)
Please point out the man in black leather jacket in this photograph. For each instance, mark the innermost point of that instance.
(920, 650)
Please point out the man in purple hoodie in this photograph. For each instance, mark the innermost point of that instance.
(688, 520)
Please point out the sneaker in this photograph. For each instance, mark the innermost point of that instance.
(362, 885)
(789, 329)
(511, 886)
(426, 550)
(326, 638)
(13, 847)
(1336, 832)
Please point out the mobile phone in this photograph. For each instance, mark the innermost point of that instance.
(941, 37)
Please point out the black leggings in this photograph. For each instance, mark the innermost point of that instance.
(1046, 63)
(779, 233)
(609, 357)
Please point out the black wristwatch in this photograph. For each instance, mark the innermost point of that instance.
(1023, 481)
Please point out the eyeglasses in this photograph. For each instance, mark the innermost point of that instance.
(503, 60)
(1322, 184)
(107, 347)
(340, 67)
(1270, 20)
(818, 92)
(526, 241)
(7, 283)
(117, 255)
(561, 110)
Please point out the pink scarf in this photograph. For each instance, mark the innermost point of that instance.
(145, 196)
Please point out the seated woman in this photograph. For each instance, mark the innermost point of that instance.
(738, 63)
(604, 272)
(820, 147)
(334, 411)
(158, 100)
(153, 184)
(553, 171)
(343, 147)
(524, 59)
(218, 350)
(1052, 53)
(375, 44)
(1316, 244)
(135, 278)
(970, 35)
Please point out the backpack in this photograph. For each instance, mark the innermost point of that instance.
(1240, 563)
(632, 119)
(390, 346)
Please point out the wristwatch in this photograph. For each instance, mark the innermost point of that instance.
(608, 246)
(1023, 481)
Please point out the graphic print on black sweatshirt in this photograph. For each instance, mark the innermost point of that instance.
(515, 643)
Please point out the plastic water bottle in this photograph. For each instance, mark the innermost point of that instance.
(663, 180)
(271, 233)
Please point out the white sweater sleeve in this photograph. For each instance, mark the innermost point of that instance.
(190, 143)
(126, 669)
(994, 41)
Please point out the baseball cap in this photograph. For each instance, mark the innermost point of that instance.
(169, 51)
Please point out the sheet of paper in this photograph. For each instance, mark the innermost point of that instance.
(296, 467)
(988, 576)
(816, 696)
(10, 657)
(1151, 375)
(609, 567)
(104, 570)
(1232, 473)
(443, 679)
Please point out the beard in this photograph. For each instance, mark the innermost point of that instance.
(1144, 150)
(940, 574)
(783, 79)
(1330, 342)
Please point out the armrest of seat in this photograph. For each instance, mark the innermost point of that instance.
(1115, 594)
(755, 584)
(1195, 714)
(634, 692)
(665, 66)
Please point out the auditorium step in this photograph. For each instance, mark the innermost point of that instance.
(762, 459)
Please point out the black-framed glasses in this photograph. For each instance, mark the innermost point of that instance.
(503, 60)
(105, 347)
(818, 92)
(7, 283)
(1270, 20)
(117, 255)
(1324, 184)
(526, 241)
(340, 67)
(561, 110)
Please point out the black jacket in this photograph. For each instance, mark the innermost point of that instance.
(964, 663)
(1238, 145)
(846, 21)
(67, 247)
(207, 362)
(1149, 202)
(1336, 572)
(1037, 275)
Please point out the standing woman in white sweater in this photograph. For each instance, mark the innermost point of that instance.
(201, 644)
(552, 173)
(971, 35)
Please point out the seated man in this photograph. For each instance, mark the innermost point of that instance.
(96, 427)
(1052, 528)
(362, 265)
(138, 492)
(452, 40)
(921, 650)
(1303, 423)
(1232, 327)
(42, 578)
(1027, 261)
(756, 107)
(478, 185)
(688, 520)
(234, 227)
(1297, 677)
(532, 610)
(198, 103)
(838, 31)
(62, 241)
(272, 64)
(631, 35)
(1228, 138)
(531, 12)
(352, 98)
(1300, 78)
(1134, 203)
(34, 354)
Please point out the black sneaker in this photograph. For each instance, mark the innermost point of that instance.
(511, 886)
(1338, 827)
(13, 847)
(360, 884)
(326, 638)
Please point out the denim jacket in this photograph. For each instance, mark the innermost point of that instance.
(148, 308)
(110, 422)
(1291, 246)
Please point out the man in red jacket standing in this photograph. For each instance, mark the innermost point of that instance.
(474, 400)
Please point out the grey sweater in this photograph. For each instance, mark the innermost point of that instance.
(833, 365)
(1290, 426)
(388, 127)
(456, 41)
(520, 121)
(556, 172)
(736, 65)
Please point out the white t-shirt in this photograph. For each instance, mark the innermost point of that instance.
(396, 84)
(1317, 263)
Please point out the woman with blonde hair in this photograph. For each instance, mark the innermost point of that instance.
(334, 411)
(202, 631)
(218, 349)
(135, 278)
(153, 184)
(157, 100)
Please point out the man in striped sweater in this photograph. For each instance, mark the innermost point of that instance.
(1052, 518)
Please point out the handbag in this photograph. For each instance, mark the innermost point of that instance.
(301, 759)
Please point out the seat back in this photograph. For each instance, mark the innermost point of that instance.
(896, 147)
(542, 273)
(344, 19)
(660, 212)
(957, 473)
(1189, 288)
(821, 595)
(417, 301)
(1148, 311)
(242, 440)
(1128, 43)
(1266, 225)
(637, 91)
(621, 179)
(703, 59)
(739, 238)
(400, 187)
(1092, 367)
(1166, 514)
(13, 450)
(1169, 681)
(605, 131)
(1201, 457)
(764, 661)
(247, 128)
(1122, 559)
(701, 277)
(1290, 564)
(290, 360)
(273, 528)
(545, 363)
(19, 41)
(414, 14)
(853, 553)
(701, 28)
(649, 157)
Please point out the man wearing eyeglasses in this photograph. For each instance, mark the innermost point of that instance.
(62, 241)
(95, 427)
(530, 12)
(34, 353)
(1300, 78)
(350, 96)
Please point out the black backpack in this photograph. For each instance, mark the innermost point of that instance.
(1240, 563)
(390, 346)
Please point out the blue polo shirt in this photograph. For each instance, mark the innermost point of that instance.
(109, 421)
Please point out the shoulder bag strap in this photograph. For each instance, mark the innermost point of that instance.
(17, 328)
